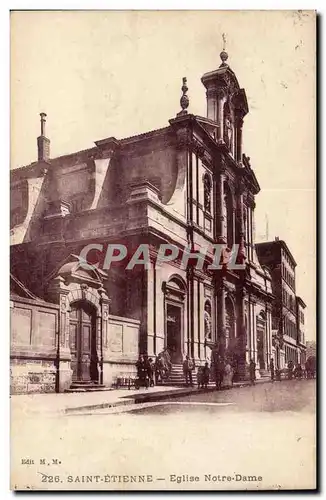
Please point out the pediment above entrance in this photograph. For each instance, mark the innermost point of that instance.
(73, 269)
(175, 288)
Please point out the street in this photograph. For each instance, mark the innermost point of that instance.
(286, 396)
(245, 438)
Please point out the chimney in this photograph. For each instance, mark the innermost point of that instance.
(43, 143)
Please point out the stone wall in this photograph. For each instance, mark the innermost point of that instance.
(34, 359)
(33, 356)
(119, 359)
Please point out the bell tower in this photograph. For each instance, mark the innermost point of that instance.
(226, 105)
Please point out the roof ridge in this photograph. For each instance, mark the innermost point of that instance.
(24, 288)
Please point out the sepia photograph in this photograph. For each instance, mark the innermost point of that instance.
(163, 250)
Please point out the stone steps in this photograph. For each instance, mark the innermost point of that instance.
(265, 374)
(83, 386)
(176, 377)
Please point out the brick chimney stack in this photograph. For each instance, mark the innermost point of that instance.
(43, 143)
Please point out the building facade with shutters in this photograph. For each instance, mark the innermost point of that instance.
(288, 308)
(188, 185)
(301, 330)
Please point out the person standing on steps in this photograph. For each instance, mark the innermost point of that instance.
(252, 372)
(188, 367)
(228, 375)
(150, 371)
(203, 376)
(206, 373)
(290, 369)
(142, 377)
(219, 372)
(272, 369)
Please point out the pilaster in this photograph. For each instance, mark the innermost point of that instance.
(220, 209)
(220, 316)
(239, 127)
(58, 293)
(241, 229)
(242, 333)
(102, 334)
(221, 99)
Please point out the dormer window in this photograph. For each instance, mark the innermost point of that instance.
(18, 204)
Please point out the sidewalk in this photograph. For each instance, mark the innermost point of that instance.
(68, 403)
(63, 403)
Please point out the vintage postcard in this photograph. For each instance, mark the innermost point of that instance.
(163, 237)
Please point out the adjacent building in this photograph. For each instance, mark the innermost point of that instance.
(188, 185)
(311, 349)
(301, 338)
(288, 308)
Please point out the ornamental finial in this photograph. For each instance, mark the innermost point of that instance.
(224, 55)
(43, 120)
(184, 101)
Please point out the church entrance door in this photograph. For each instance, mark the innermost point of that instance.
(83, 342)
(174, 333)
(260, 348)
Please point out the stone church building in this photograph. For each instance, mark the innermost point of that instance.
(189, 185)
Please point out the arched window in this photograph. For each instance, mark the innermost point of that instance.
(228, 209)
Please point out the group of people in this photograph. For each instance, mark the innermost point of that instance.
(221, 372)
(300, 372)
(145, 372)
(150, 372)
(292, 371)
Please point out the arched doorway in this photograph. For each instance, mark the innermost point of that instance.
(84, 362)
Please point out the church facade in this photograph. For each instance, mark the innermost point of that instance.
(187, 186)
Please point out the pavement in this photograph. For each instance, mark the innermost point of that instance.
(69, 403)
(266, 432)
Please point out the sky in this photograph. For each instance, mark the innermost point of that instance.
(114, 73)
